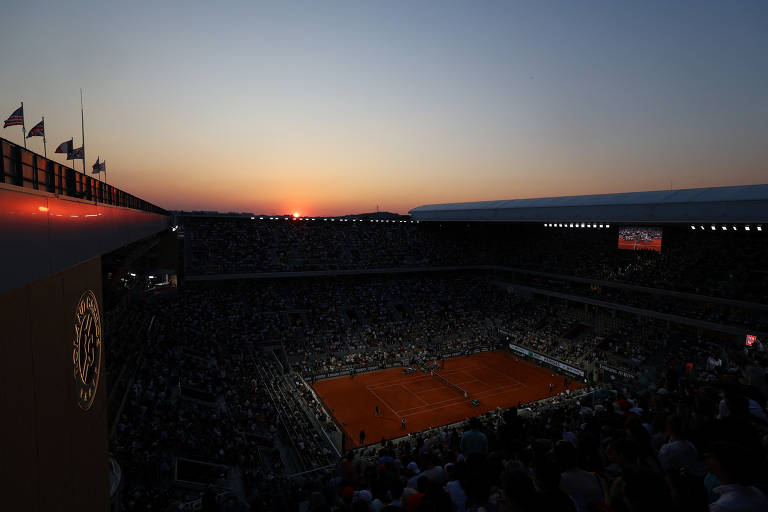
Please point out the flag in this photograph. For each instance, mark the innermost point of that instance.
(75, 154)
(37, 131)
(99, 167)
(65, 147)
(16, 119)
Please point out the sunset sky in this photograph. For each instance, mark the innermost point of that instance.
(336, 107)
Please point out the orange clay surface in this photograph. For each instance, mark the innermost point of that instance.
(652, 245)
(496, 379)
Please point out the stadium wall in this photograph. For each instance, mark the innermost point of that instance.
(54, 454)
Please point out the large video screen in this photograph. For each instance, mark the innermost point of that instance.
(640, 238)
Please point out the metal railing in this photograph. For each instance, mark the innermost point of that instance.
(27, 169)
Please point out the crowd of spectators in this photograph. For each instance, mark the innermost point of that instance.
(691, 440)
(204, 374)
(717, 263)
(198, 393)
(245, 245)
(736, 314)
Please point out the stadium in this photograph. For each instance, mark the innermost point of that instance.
(284, 362)
(355, 350)
(392, 256)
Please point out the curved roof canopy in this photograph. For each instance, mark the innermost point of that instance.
(742, 204)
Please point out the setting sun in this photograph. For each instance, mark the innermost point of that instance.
(296, 215)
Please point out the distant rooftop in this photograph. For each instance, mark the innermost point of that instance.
(740, 204)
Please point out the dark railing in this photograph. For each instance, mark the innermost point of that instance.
(24, 168)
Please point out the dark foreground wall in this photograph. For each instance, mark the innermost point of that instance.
(53, 433)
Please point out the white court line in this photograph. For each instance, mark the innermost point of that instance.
(414, 394)
(497, 390)
(421, 378)
(485, 397)
(382, 400)
(507, 376)
(505, 388)
(458, 400)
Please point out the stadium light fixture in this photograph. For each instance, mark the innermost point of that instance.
(607, 225)
(735, 228)
(724, 228)
(582, 224)
(693, 227)
(702, 227)
(759, 228)
(713, 228)
(746, 228)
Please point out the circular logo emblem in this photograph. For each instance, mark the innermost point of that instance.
(86, 355)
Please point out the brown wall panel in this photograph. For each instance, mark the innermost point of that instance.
(18, 449)
(58, 460)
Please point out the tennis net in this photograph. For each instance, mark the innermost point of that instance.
(450, 384)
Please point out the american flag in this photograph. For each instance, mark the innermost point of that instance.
(37, 131)
(16, 119)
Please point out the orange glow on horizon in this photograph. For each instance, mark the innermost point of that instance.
(296, 215)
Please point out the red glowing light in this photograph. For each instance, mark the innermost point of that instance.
(42, 208)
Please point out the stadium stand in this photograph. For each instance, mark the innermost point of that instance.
(213, 406)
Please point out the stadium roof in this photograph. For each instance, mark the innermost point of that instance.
(742, 204)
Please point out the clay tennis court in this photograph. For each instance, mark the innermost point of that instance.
(640, 245)
(496, 379)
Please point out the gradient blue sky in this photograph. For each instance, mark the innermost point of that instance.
(336, 107)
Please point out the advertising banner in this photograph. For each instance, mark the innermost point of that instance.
(525, 352)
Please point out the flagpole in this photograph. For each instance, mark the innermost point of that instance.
(23, 127)
(45, 150)
(82, 126)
